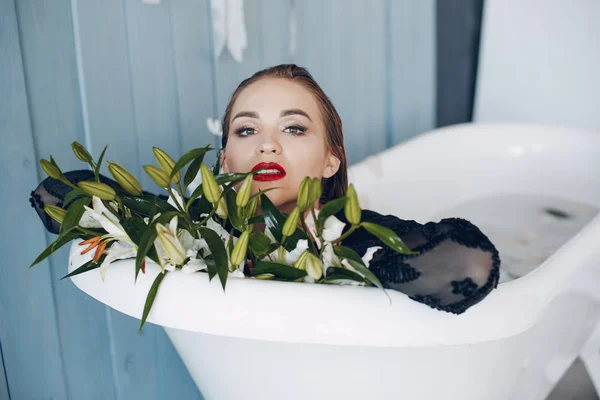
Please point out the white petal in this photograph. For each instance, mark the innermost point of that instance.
(332, 228)
(116, 252)
(193, 265)
(215, 226)
(291, 257)
(101, 209)
(175, 200)
(369, 254)
(329, 257)
(169, 267)
(88, 219)
(312, 228)
(237, 274)
(173, 225)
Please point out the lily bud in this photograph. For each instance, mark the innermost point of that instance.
(291, 223)
(313, 266)
(210, 187)
(166, 164)
(158, 175)
(97, 189)
(352, 208)
(81, 152)
(56, 213)
(170, 244)
(300, 263)
(222, 209)
(252, 207)
(125, 179)
(243, 196)
(238, 254)
(50, 169)
(316, 190)
(304, 194)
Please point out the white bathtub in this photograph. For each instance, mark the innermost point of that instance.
(276, 340)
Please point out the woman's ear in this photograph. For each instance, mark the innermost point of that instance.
(332, 165)
(224, 167)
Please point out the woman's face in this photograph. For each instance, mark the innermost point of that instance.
(277, 121)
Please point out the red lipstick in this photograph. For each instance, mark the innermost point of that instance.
(270, 171)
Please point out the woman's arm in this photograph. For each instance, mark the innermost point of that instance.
(455, 268)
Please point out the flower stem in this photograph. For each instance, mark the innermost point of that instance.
(345, 235)
(310, 242)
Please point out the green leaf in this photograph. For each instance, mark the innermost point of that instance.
(237, 220)
(99, 164)
(275, 220)
(211, 267)
(259, 244)
(147, 240)
(340, 275)
(151, 296)
(387, 236)
(281, 272)
(72, 195)
(217, 248)
(57, 244)
(88, 266)
(257, 219)
(193, 154)
(329, 209)
(355, 261)
(147, 205)
(347, 252)
(73, 216)
(192, 171)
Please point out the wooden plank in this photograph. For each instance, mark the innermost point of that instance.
(458, 24)
(4, 392)
(229, 73)
(56, 115)
(139, 110)
(194, 71)
(411, 31)
(28, 329)
(347, 58)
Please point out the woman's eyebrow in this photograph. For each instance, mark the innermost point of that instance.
(250, 114)
(294, 111)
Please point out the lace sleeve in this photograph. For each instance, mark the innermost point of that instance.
(52, 192)
(455, 268)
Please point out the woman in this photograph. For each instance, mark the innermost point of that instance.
(282, 120)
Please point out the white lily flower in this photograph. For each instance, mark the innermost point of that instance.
(329, 257)
(169, 248)
(117, 251)
(332, 229)
(312, 226)
(290, 257)
(195, 264)
(100, 217)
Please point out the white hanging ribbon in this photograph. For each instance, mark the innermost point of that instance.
(229, 28)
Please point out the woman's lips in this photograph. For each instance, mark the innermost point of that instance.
(263, 177)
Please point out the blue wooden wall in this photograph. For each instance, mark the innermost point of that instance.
(135, 75)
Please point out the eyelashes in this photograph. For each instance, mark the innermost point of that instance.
(294, 130)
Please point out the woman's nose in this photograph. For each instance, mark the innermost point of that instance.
(269, 146)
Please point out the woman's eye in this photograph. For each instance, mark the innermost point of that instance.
(246, 131)
(295, 130)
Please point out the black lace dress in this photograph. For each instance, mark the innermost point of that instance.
(455, 267)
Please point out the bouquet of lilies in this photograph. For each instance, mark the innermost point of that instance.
(212, 231)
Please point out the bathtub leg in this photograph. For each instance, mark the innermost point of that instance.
(590, 355)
